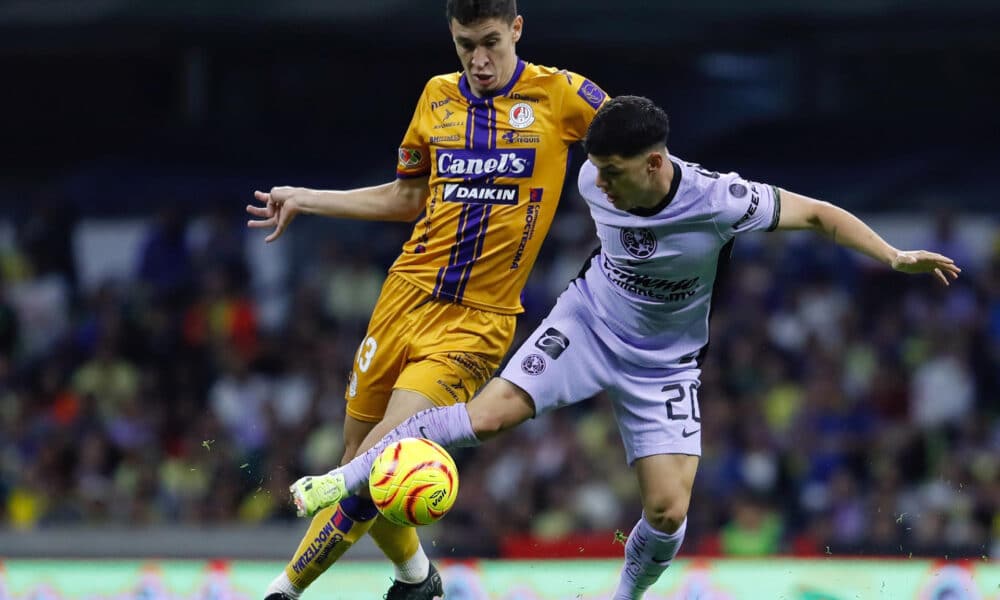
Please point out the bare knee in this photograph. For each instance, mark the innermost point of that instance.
(666, 513)
(498, 407)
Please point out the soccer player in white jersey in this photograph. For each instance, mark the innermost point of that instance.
(635, 323)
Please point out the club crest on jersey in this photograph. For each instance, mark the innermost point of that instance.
(409, 157)
(521, 115)
(639, 242)
(533, 364)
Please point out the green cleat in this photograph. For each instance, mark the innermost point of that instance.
(314, 493)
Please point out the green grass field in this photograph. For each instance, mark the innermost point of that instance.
(778, 579)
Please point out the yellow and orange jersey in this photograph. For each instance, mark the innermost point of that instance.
(496, 166)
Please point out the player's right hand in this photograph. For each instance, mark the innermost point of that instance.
(278, 211)
(922, 261)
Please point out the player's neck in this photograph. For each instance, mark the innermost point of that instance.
(661, 188)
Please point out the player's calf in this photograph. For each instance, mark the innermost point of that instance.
(500, 406)
(332, 532)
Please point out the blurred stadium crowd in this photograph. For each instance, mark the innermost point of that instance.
(846, 409)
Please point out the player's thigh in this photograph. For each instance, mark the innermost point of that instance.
(454, 350)
(657, 410)
(563, 361)
(660, 424)
(665, 482)
(384, 351)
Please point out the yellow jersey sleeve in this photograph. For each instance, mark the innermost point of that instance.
(582, 98)
(414, 158)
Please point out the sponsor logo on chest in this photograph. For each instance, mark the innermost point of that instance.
(514, 137)
(481, 193)
(477, 164)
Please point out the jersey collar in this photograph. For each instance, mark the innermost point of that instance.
(652, 210)
(463, 85)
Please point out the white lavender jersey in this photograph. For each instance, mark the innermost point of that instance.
(652, 281)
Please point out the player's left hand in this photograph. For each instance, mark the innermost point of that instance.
(922, 261)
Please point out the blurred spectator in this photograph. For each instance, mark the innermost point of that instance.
(47, 239)
(165, 262)
(942, 390)
(107, 378)
(9, 329)
(221, 317)
(755, 529)
(239, 400)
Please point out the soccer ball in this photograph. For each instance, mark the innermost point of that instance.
(413, 482)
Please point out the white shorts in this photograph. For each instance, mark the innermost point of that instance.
(565, 360)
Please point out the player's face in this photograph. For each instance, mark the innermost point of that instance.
(627, 182)
(486, 49)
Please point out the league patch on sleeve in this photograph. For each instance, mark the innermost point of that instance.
(410, 158)
(592, 94)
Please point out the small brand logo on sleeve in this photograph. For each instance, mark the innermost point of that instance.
(591, 94)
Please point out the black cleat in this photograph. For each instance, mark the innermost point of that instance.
(428, 589)
(277, 596)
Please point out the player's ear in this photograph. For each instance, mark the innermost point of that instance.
(516, 27)
(654, 162)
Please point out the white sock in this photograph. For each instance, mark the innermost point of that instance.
(415, 568)
(283, 585)
(648, 553)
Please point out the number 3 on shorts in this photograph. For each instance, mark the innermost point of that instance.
(365, 353)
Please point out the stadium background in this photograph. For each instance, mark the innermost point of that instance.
(164, 375)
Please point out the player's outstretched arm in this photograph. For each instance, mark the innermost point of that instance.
(801, 212)
(400, 200)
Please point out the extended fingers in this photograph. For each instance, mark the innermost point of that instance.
(951, 269)
(260, 211)
(934, 256)
(940, 276)
(280, 224)
(258, 224)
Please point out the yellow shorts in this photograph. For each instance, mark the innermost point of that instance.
(442, 350)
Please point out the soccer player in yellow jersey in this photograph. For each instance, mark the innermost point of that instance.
(482, 164)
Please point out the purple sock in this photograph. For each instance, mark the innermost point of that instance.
(358, 508)
(447, 425)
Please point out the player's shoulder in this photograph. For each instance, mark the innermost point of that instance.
(703, 180)
(444, 81)
(553, 76)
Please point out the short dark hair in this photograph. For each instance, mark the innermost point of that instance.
(470, 11)
(625, 126)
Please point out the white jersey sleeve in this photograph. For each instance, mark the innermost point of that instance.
(741, 205)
